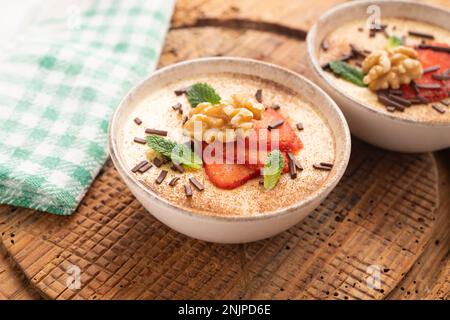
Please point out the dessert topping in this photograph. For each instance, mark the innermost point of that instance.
(390, 68)
(174, 181)
(347, 72)
(156, 131)
(258, 95)
(420, 34)
(138, 166)
(188, 190)
(223, 121)
(179, 153)
(202, 92)
(273, 168)
(139, 140)
(137, 121)
(161, 177)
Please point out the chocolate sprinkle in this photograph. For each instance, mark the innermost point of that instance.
(138, 166)
(177, 167)
(292, 168)
(404, 102)
(156, 131)
(177, 106)
(157, 162)
(327, 164)
(145, 167)
(431, 69)
(275, 107)
(446, 102)
(276, 124)
(258, 95)
(196, 184)
(181, 91)
(438, 108)
(185, 119)
(388, 102)
(161, 176)
(434, 48)
(440, 77)
(428, 85)
(137, 121)
(414, 87)
(140, 140)
(295, 161)
(321, 167)
(299, 126)
(420, 34)
(188, 190)
(174, 181)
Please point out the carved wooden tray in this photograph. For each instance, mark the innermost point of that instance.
(381, 217)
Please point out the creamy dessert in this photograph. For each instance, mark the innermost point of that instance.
(400, 67)
(244, 146)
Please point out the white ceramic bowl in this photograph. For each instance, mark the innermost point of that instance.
(380, 129)
(233, 229)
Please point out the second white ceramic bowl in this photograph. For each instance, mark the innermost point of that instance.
(380, 129)
(232, 229)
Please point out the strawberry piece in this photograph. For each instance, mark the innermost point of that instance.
(288, 139)
(430, 58)
(230, 176)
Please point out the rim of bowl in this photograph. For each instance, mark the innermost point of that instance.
(326, 188)
(311, 39)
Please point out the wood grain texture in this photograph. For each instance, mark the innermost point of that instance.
(382, 213)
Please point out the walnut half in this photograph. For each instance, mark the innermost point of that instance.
(391, 68)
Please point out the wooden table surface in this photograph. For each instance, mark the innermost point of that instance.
(204, 19)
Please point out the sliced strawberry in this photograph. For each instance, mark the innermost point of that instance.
(430, 58)
(230, 176)
(229, 171)
(288, 139)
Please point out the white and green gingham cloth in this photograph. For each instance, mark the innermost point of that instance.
(59, 84)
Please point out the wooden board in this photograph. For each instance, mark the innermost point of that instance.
(382, 213)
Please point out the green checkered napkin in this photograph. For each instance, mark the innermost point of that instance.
(58, 88)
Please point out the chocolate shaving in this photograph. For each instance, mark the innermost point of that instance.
(275, 107)
(156, 131)
(181, 91)
(185, 119)
(446, 102)
(327, 164)
(177, 167)
(275, 124)
(145, 167)
(292, 169)
(138, 166)
(188, 190)
(428, 85)
(438, 108)
(420, 34)
(356, 52)
(299, 126)
(440, 77)
(321, 167)
(161, 176)
(402, 101)
(414, 87)
(431, 69)
(295, 161)
(137, 121)
(196, 184)
(434, 48)
(258, 95)
(157, 162)
(140, 140)
(174, 181)
(388, 102)
(177, 106)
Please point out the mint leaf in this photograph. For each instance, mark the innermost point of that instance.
(395, 41)
(178, 153)
(273, 167)
(202, 92)
(347, 72)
